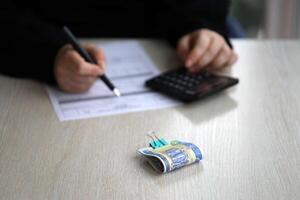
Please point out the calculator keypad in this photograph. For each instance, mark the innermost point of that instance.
(188, 87)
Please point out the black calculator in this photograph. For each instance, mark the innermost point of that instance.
(188, 87)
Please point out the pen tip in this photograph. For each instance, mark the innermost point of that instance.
(117, 92)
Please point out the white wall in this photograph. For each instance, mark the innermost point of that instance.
(282, 19)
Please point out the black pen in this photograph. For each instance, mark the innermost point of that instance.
(72, 40)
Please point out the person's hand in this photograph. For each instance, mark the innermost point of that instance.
(205, 49)
(72, 73)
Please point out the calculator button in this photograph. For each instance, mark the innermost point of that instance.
(194, 82)
(180, 82)
(190, 92)
(185, 84)
(199, 78)
(173, 79)
(170, 84)
(179, 88)
(190, 85)
(206, 74)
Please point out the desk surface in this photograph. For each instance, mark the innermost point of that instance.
(250, 136)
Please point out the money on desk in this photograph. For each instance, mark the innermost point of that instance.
(171, 156)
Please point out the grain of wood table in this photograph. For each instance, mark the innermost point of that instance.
(250, 136)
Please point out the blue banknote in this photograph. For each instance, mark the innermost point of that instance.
(172, 156)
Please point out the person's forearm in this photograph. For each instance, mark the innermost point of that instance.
(29, 45)
(188, 16)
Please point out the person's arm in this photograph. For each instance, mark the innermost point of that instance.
(197, 29)
(29, 45)
(36, 49)
(190, 15)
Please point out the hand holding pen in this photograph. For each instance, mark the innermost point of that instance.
(77, 68)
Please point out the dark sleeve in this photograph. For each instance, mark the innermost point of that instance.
(186, 16)
(29, 44)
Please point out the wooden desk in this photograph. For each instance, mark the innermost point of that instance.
(250, 136)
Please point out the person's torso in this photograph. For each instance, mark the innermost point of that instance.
(103, 18)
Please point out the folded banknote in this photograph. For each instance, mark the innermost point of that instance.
(172, 156)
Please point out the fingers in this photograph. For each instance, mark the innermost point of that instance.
(73, 74)
(224, 58)
(81, 83)
(74, 86)
(71, 82)
(206, 49)
(212, 51)
(183, 47)
(200, 47)
(83, 79)
(81, 67)
(232, 60)
(87, 69)
(97, 54)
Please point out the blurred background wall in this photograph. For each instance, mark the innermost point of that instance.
(268, 18)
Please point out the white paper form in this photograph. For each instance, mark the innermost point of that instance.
(128, 68)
